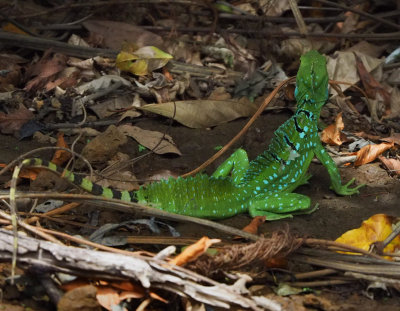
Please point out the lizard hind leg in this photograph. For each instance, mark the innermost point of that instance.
(236, 165)
(279, 205)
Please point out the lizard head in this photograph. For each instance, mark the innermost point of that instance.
(312, 80)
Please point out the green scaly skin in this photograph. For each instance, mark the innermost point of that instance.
(262, 187)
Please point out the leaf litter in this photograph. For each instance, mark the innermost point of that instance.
(191, 73)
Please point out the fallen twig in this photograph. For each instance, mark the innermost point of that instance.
(103, 265)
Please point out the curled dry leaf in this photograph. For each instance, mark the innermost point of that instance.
(151, 139)
(332, 134)
(393, 165)
(193, 251)
(375, 229)
(61, 156)
(252, 227)
(369, 153)
(371, 86)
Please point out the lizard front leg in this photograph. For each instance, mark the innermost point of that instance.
(237, 164)
(336, 183)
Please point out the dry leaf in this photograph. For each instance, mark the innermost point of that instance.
(10, 75)
(81, 298)
(276, 262)
(46, 70)
(153, 140)
(371, 86)
(395, 99)
(395, 138)
(10, 27)
(61, 156)
(101, 83)
(368, 136)
(115, 34)
(376, 228)
(252, 227)
(342, 67)
(118, 179)
(12, 122)
(103, 147)
(393, 165)
(203, 113)
(129, 114)
(370, 152)
(142, 61)
(158, 297)
(332, 134)
(107, 297)
(193, 251)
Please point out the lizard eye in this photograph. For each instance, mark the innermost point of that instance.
(296, 92)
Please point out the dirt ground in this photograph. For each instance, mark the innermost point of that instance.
(334, 216)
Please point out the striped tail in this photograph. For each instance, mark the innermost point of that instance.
(85, 184)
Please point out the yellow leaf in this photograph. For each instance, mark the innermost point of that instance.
(142, 61)
(375, 229)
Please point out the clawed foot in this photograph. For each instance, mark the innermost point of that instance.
(345, 190)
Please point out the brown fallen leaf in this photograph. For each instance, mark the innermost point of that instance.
(332, 134)
(395, 138)
(107, 297)
(115, 34)
(12, 122)
(153, 140)
(371, 86)
(80, 298)
(369, 153)
(368, 136)
(45, 70)
(61, 156)
(11, 72)
(103, 147)
(252, 227)
(393, 165)
(203, 113)
(193, 251)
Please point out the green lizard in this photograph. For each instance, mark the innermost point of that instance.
(261, 187)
